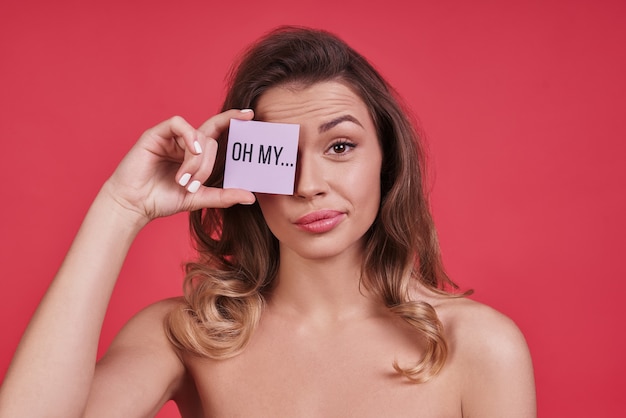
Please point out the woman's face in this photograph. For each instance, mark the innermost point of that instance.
(337, 190)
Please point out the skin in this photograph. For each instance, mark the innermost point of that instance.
(324, 347)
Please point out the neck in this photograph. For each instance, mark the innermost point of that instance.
(322, 290)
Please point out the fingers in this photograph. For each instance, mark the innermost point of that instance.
(208, 197)
(178, 128)
(197, 166)
(176, 140)
(213, 127)
(196, 149)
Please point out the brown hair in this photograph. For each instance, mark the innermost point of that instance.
(238, 255)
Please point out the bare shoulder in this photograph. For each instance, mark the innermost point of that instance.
(477, 327)
(155, 313)
(141, 370)
(490, 353)
(146, 328)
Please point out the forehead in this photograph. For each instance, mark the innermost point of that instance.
(311, 104)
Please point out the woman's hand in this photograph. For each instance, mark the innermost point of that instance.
(163, 173)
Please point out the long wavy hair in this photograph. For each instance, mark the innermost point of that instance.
(238, 256)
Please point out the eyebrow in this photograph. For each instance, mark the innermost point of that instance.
(331, 124)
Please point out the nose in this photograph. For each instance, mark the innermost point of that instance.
(310, 178)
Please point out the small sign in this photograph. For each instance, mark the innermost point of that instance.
(261, 156)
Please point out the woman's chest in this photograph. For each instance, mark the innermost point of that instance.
(331, 377)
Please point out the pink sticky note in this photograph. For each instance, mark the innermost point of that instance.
(261, 156)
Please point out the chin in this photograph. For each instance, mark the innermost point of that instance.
(324, 250)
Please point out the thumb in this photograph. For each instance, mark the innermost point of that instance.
(209, 197)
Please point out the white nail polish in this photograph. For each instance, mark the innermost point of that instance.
(246, 110)
(194, 186)
(184, 179)
(197, 147)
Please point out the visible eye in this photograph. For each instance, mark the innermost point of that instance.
(341, 147)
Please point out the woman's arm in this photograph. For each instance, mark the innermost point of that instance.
(52, 370)
(141, 370)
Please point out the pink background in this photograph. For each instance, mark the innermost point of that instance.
(524, 109)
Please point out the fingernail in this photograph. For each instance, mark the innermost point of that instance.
(246, 110)
(197, 147)
(194, 186)
(249, 201)
(184, 179)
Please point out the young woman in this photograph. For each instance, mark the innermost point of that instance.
(329, 302)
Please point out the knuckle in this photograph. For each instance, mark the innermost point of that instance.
(176, 119)
(211, 125)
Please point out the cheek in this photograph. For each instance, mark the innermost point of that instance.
(374, 187)
(365, 186)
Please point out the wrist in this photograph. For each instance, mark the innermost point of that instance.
(123, 212)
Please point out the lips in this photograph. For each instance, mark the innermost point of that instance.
(320, 221)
